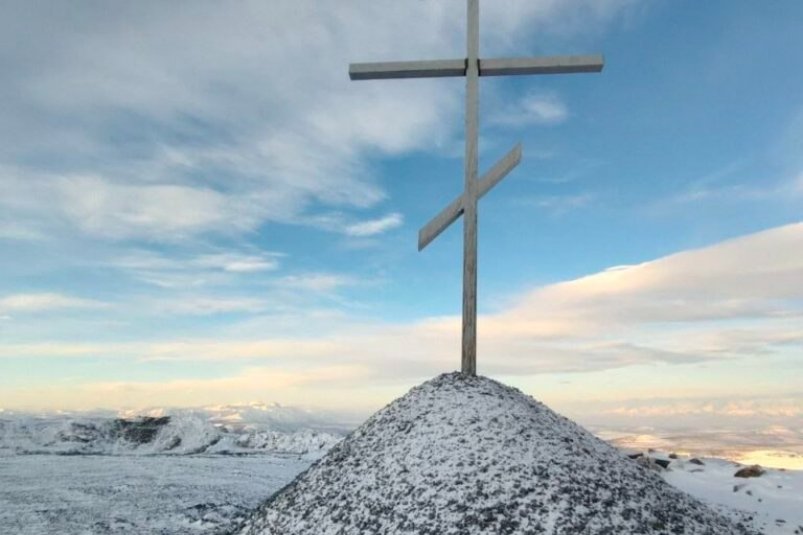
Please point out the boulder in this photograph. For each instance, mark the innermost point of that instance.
(749, 471)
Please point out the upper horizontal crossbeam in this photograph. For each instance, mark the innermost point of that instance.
(544, 65)
(407, 69)
(487, 67)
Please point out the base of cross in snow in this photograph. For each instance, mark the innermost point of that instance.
(468, 455)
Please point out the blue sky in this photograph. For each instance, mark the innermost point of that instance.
(197, 206)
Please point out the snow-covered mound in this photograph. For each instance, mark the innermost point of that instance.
(181, 433)
(468, 455)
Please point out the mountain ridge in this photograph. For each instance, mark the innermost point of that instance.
(180, 433)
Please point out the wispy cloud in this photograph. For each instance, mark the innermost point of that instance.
(713, 189)
(534, 109)
(204, 306)
(316, 282)
(193, 122)
(374, 226)
(558, 204)
(162, 212)
(734, 299)
(236, 263)
(193, 269)
(16, 232)
(40, 302)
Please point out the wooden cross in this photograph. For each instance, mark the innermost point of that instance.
(472, 67)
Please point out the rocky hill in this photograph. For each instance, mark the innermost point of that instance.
(468, 455)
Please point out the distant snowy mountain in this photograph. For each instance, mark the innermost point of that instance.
(214, 430)
(467, 455)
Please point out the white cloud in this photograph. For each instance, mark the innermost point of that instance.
(534, 109)
(237, 263)
(40, 302)
(374, 226)
(183, 269)
(712, 189)
(203, 306)
(544, 109)
(559, 204)
(17, 232)
(316, 282)
(159, 212)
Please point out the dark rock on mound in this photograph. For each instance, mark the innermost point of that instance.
(663, 463)
(467, 455)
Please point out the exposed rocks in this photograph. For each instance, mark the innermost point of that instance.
(135, 431)
(80, 432)
(749, 471)
(651, 463)
(139, 431)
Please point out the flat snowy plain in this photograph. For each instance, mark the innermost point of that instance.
(165, 494)
(194, 472)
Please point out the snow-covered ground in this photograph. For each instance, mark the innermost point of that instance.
(166, 472)
(200, 494)
(79, 474)
(773, 502)
(156, 494)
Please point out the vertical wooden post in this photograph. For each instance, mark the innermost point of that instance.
(469, 353)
